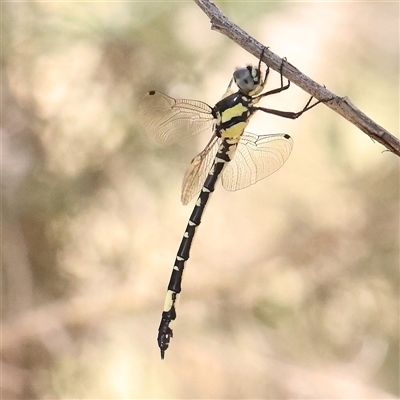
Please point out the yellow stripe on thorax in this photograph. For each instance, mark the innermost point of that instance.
(235, 131)
(235, 111)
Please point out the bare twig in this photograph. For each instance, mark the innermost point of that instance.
(342, 105)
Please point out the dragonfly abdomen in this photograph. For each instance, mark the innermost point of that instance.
(165, 332)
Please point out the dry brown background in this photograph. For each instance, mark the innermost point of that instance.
(292, 289)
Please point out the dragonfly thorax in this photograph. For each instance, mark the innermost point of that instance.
(232, 115)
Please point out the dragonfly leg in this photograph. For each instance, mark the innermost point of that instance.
(277, 90)
(290, 114)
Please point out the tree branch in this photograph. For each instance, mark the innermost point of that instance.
(342, 105)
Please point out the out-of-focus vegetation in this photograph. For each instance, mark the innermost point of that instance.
(292, 289)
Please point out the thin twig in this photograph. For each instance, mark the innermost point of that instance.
(342, 105)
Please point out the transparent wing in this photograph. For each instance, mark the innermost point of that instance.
(229, 90)
(168, 120)
(198, 170)
(256, 157)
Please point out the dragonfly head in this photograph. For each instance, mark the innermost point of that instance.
(248, 80)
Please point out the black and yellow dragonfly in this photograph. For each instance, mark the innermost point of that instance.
(240, 158)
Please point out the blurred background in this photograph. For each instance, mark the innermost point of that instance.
(292, 288)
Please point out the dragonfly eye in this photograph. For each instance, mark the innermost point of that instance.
(245, 80)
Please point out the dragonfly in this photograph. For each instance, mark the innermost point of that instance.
(239, 157)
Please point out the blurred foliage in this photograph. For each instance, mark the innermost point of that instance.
(292, 289)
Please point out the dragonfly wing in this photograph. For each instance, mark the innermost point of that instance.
(198, 170)
(255, 158)
(168, 120)
(229, 90)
